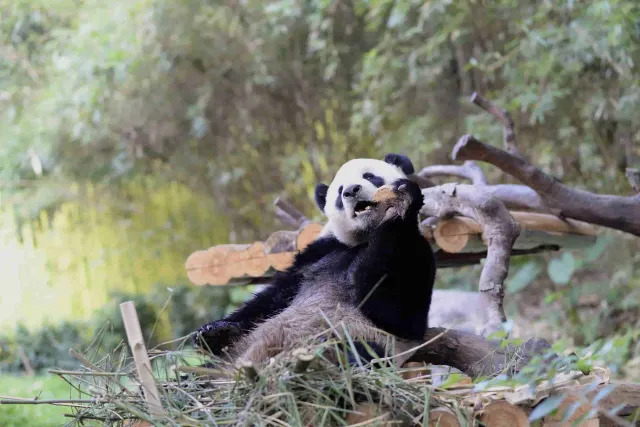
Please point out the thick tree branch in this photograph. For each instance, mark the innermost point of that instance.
(500, 231)
(633, 175)
(617, 212)
(503, 117)
(288, 214)
(469, 170)
(474, 355)
(422, 181)
(517, 197)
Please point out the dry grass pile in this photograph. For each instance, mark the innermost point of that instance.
(300, 388)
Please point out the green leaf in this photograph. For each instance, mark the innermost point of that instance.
(584, 366)
(547, 406)
(594, 252)
(523, 277)
(561, 269)
(453, 379)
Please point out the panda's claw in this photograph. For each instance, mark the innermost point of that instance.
(217, 335)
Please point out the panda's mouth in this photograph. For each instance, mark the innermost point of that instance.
(361, 207)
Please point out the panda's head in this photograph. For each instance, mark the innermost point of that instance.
(347, 200)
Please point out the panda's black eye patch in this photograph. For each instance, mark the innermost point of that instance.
(339, 203)
(374, 179)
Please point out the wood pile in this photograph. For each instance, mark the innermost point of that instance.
(576, 400)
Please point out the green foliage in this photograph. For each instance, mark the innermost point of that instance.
(164, 315)
(523, 277)
(217, 95)
(561, 269)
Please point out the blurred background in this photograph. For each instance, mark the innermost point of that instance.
(134, 132)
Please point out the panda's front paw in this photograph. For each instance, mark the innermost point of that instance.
(410, 194)
(216, 336)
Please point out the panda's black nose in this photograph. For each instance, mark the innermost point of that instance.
(352, 190)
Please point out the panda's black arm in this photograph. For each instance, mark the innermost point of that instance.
(393, 280)
(387, 251)
(268, 302)
(264, 304)
(285, 287)
(393, 275)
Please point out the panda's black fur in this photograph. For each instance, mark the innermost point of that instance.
(395, 259)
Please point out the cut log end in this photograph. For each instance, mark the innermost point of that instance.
(443, 417)
(503, 414)
(307, 235)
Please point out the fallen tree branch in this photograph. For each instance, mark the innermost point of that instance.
(474, 355)
(422, 181)
(499, 231)
(516, 196)
(617, 212)
(503, 117)
(288, 214)
(469, 170)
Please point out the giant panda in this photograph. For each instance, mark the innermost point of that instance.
(370, 271)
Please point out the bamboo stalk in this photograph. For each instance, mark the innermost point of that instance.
(141, 357)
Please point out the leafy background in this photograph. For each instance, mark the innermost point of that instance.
(135, 132)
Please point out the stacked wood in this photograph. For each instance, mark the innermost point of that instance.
(584, 400)
(222, 264)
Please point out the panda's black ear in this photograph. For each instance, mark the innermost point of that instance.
(402, 161)
(321, 195)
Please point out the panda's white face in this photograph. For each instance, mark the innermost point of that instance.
(349, 197)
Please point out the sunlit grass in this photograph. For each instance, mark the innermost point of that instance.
(45, 387)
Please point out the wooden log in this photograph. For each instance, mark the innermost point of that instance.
(219, 269)
(551, 223)
(141, 357)
(307, 235)
(197, 267)
(443, 417)
(281, 262)
(220, 264)
(503, 414)
(256, 262)
(455, 235)
(555, 419)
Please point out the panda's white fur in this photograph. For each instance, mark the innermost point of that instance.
(344, 224)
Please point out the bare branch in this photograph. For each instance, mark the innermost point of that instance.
(468, 170)
(516, 197)
(422, 181)
(285, 218)
(503, 117)
(500, 231)
(475, 355)
(288, 214)
(617, 212)
(633, 175)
